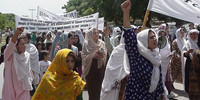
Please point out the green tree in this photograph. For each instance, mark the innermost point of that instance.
(7, 20)
(111, 10)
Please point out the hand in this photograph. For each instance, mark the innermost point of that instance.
(96, 55)
(190, 50)
(19, 30)
(126, 6)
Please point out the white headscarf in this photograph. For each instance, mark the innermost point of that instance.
(89, 50)
(117, 69)
(81, 37)
(34, 60)
(191, 44)
(23, 68)
(116, 31)
(152, 56)
(180, 41)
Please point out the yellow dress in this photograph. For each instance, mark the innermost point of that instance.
(59, 83)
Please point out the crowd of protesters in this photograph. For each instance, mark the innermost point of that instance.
(120, 63)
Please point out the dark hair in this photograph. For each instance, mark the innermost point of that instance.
(77, 61)
(40, 43)
(38, 39)
(43, 53)
(69, 35)
(8, 37)
(151, 31)
(48, 45)
(18, 40)
(78, 39)
(43, 33)
(191, 24)
(72, 55)
(28, 35)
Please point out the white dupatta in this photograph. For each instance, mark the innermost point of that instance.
(153, 56)
(116, 70)
(23, 68)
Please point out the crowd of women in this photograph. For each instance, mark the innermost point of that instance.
(120, 64)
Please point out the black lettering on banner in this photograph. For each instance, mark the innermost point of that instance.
(194, 4)
(84, 25)
(67, 27)
(21, 23)
(76, 26)
(31, 28)
(188, 1)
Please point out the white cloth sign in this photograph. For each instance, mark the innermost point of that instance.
(84, 23)
(101, 23)
(43, 14)
(188, 10)
(72, 14)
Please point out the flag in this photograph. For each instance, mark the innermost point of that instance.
(188, 10)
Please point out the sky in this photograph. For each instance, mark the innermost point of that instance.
(21, 7)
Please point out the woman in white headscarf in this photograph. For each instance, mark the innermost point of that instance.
(116, 70)
(189, 49)
(34, 59)
(93, 61)
(116, 33)
(81, 37)
(175, 63)
(18, 77)
(165, 52)
(144, 81)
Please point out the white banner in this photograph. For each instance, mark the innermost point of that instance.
(43, 14)
(72, 14)
(101, 23)
(188, 10)
(84, 23)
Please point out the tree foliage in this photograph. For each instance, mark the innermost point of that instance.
(111, 10)
(7, 20)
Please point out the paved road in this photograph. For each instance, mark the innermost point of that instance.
(178, 86)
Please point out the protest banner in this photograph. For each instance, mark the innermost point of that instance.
(43, 14)
(72, 14)
(188, 10)
(84, 23)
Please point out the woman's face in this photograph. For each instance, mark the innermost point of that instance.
(152, 41)
(193, 36)
(70, 62)
(182, 33)
(71, 40)
(25, 38)
(40, 47)
(76, 39)
(49, 36)
(21, 46)
(95, 35)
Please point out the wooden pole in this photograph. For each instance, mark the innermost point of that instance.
(145, 19)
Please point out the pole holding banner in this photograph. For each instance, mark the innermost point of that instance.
(149, 7)
(145, 19)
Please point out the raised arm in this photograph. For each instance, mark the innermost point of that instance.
(126, 6)
(11, 45)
